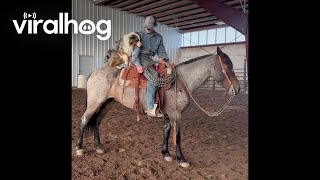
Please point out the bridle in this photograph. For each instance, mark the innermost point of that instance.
(225, 74)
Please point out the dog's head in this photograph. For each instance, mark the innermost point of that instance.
(134, 39)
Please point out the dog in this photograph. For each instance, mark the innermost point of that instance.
(121, 52)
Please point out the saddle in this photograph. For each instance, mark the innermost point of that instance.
(130, 77)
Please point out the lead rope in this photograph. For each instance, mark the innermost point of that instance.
(205, 111)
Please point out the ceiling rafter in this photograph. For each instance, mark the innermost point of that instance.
(186, 15)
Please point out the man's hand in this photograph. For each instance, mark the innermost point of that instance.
(140, 69)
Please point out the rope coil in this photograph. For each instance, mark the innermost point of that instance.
(160, 81)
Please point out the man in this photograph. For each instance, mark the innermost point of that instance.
(152, 45)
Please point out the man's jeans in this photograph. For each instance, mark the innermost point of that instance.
(151, 88)
(151, 91)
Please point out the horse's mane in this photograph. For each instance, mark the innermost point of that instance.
(194, 59)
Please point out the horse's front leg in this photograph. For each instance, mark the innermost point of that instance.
(179, 156)
(166, 134)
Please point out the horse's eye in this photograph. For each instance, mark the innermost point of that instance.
(229, 67)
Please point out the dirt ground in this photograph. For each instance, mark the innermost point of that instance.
(216, 147)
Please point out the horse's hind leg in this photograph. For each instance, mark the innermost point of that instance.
(107, 107)
(87, 116)
(166, 134)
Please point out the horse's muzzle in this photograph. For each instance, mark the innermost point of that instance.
(233, 91)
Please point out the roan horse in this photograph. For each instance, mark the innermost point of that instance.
(103, 90)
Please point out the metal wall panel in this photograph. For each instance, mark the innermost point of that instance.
(121, 23)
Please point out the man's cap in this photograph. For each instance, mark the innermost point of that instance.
(150, 22)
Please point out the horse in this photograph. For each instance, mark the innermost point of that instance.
(104, 90)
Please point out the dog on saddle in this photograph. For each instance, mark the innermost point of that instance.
(121, 52)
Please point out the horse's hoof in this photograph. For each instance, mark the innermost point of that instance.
(100, 150)
(184, 164)
(80, 152)
(168, 158)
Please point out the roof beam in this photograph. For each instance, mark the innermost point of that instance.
(103, 2)
(210, 18)
(186, 18)
(199, 24)
(177, 10)
(163, 8)
(233, 17)
(202, 28)
(134, 5)
(232, 2)
(124, 3)
(115, 2)
(181, 14)
(239, 7)
(149, 6)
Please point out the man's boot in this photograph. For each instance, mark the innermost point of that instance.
(152, 112)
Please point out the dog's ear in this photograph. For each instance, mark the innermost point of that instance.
(137, 38)
(130, 39)
(134, 36)
(108, 55)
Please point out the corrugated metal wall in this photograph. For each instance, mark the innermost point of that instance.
(121, 23)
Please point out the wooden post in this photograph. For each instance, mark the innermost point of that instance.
(245, 75)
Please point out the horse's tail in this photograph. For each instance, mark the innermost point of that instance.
(99, 115)
(91, 124)
(89, 76)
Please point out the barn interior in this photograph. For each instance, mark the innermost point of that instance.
(216, 146)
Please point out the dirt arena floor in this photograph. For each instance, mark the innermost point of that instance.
(216, 147)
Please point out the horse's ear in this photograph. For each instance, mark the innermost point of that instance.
(219, 51)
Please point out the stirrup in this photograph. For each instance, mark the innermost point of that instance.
(153, 112)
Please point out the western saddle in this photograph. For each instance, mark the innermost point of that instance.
(130, 77)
